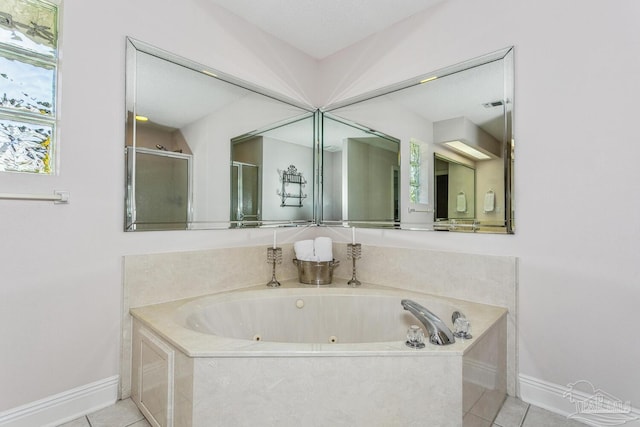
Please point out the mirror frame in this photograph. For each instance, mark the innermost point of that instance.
(507, 56)
(134, 46)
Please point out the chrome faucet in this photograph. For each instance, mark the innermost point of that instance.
(439, 333)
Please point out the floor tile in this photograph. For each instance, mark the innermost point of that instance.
(141, 423)
(122, 414)
(79, 422)
(471, 420)
(512, 413)
(538, 417)
(488, 405)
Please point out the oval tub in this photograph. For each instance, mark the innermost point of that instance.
(312, 356)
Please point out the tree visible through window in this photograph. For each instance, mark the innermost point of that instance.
(28, 63)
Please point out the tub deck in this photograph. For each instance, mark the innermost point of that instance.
(183, 377)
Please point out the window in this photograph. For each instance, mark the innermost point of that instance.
(414, 171)
(28, 69)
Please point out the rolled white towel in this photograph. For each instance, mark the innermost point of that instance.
(304, 250)
(324, 249)
(489, 201)
(461, 202)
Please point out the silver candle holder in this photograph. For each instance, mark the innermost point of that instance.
(354, 252)
(274, 256)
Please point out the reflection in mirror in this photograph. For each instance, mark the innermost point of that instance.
(463, 113)
(272, 174)
(455, 191)
(165, 203)
(178, 106)
(361, 174)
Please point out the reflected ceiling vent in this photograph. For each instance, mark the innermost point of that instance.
(464, 137)
(493, 104)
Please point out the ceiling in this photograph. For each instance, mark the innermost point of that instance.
(320, 28)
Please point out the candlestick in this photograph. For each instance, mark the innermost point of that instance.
(353, 235)
(274, 256)
(274, 239)
(354, 252)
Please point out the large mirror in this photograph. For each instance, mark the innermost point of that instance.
(196, 136)
(457, 119)
(360, 174)
(205, 150)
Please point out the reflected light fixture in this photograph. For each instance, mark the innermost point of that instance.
(209, 73)
(428, 79)
(465, 137)
(142, 118)
(466, 149)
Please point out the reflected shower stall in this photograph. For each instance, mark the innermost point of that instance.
(245, 192)
(159, 189)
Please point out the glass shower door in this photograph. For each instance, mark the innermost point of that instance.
(245, 193)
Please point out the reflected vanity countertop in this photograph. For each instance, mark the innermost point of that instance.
(168, 320)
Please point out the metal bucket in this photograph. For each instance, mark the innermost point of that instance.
(315, 272)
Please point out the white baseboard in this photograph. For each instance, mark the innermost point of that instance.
(552, 397)
(63, 407)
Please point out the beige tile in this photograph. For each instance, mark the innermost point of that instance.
(488, 405)
(512, 413)
(122, 414)
(79, 422)
(141, 423)
(538, 417)
(471, 420)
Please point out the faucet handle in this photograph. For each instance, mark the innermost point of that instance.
(461, 326)
(415, 337)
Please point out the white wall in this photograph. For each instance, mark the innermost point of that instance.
(576, 89)
(210, 139)
(62, 264)
(576, 94)
(278, 155)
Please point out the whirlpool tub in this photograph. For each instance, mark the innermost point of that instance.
(300, 356)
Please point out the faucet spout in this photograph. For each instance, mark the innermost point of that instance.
(439, 333)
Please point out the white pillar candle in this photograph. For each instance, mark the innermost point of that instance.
(353, 235)
(274, 239)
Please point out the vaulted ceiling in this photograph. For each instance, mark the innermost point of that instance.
(320, 28)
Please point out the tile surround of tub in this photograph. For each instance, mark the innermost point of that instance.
(156, 278)
(379, 391)
(486, 279)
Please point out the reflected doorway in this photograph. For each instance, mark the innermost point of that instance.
(245, 192)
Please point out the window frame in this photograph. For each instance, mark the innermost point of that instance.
(49, 62)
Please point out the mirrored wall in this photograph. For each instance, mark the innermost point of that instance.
(234, 136)
(205, 150)
(446, 124)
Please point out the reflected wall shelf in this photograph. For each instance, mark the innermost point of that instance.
(292, 183)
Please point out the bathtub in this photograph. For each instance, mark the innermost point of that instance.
(310, 356)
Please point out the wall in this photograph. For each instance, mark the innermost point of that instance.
(577, 266)
(490, 176)
(278, 155)
(461, 184)
(210, 138)
(369, 163)
(60, 292)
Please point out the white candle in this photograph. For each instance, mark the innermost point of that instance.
(274, 239)
(353, 235)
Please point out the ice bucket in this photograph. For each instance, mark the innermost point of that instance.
(315, 272)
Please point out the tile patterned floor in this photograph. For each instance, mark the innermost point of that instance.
(514, 413)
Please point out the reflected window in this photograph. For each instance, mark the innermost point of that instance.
(28, 63)
(414, 172)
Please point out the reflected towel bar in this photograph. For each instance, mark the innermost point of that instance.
(414, 210)
(58, 197)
